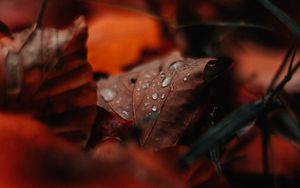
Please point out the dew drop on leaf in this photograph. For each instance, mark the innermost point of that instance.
(154, 96)
(162, 74)
(124, 114)
(166, 81)
(146, 85)
(154, 108)
(185, 79)
(108, 94)
(163, 96)
(177, 64)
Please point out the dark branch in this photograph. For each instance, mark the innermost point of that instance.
(40, 15)
(282, 16)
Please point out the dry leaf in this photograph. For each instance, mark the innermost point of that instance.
(44, 72)
(162, 98)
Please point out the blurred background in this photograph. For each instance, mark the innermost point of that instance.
(127, 33)
(124, 33)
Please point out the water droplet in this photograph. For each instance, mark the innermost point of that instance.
(154, 96)
(185, 79)
(162, 74)
(163, 96)
(154, 108)
(125, 114)
(108, 94)
(146, 85)
(177, 64)
(166, 81)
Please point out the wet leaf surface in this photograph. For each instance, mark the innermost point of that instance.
(163, 98)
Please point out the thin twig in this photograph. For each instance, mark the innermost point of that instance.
(282, 16)
(37, 23)
(293, 57)
(281, 85)
(237, 120)
(282, 66)
(40, 15)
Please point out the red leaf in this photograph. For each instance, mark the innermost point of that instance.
(32, 157)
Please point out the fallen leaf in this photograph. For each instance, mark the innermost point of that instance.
(163, 98)
(46, 74)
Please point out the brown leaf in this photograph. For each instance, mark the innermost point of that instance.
(47, 75)
(163, 98)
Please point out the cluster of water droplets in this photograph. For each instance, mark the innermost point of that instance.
(148, 84)
(158, 95)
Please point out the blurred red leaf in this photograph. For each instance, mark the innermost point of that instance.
(244, 156)
(33, 157)
(118, 38)
(201, 174)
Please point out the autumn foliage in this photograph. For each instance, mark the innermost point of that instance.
(119, 93)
